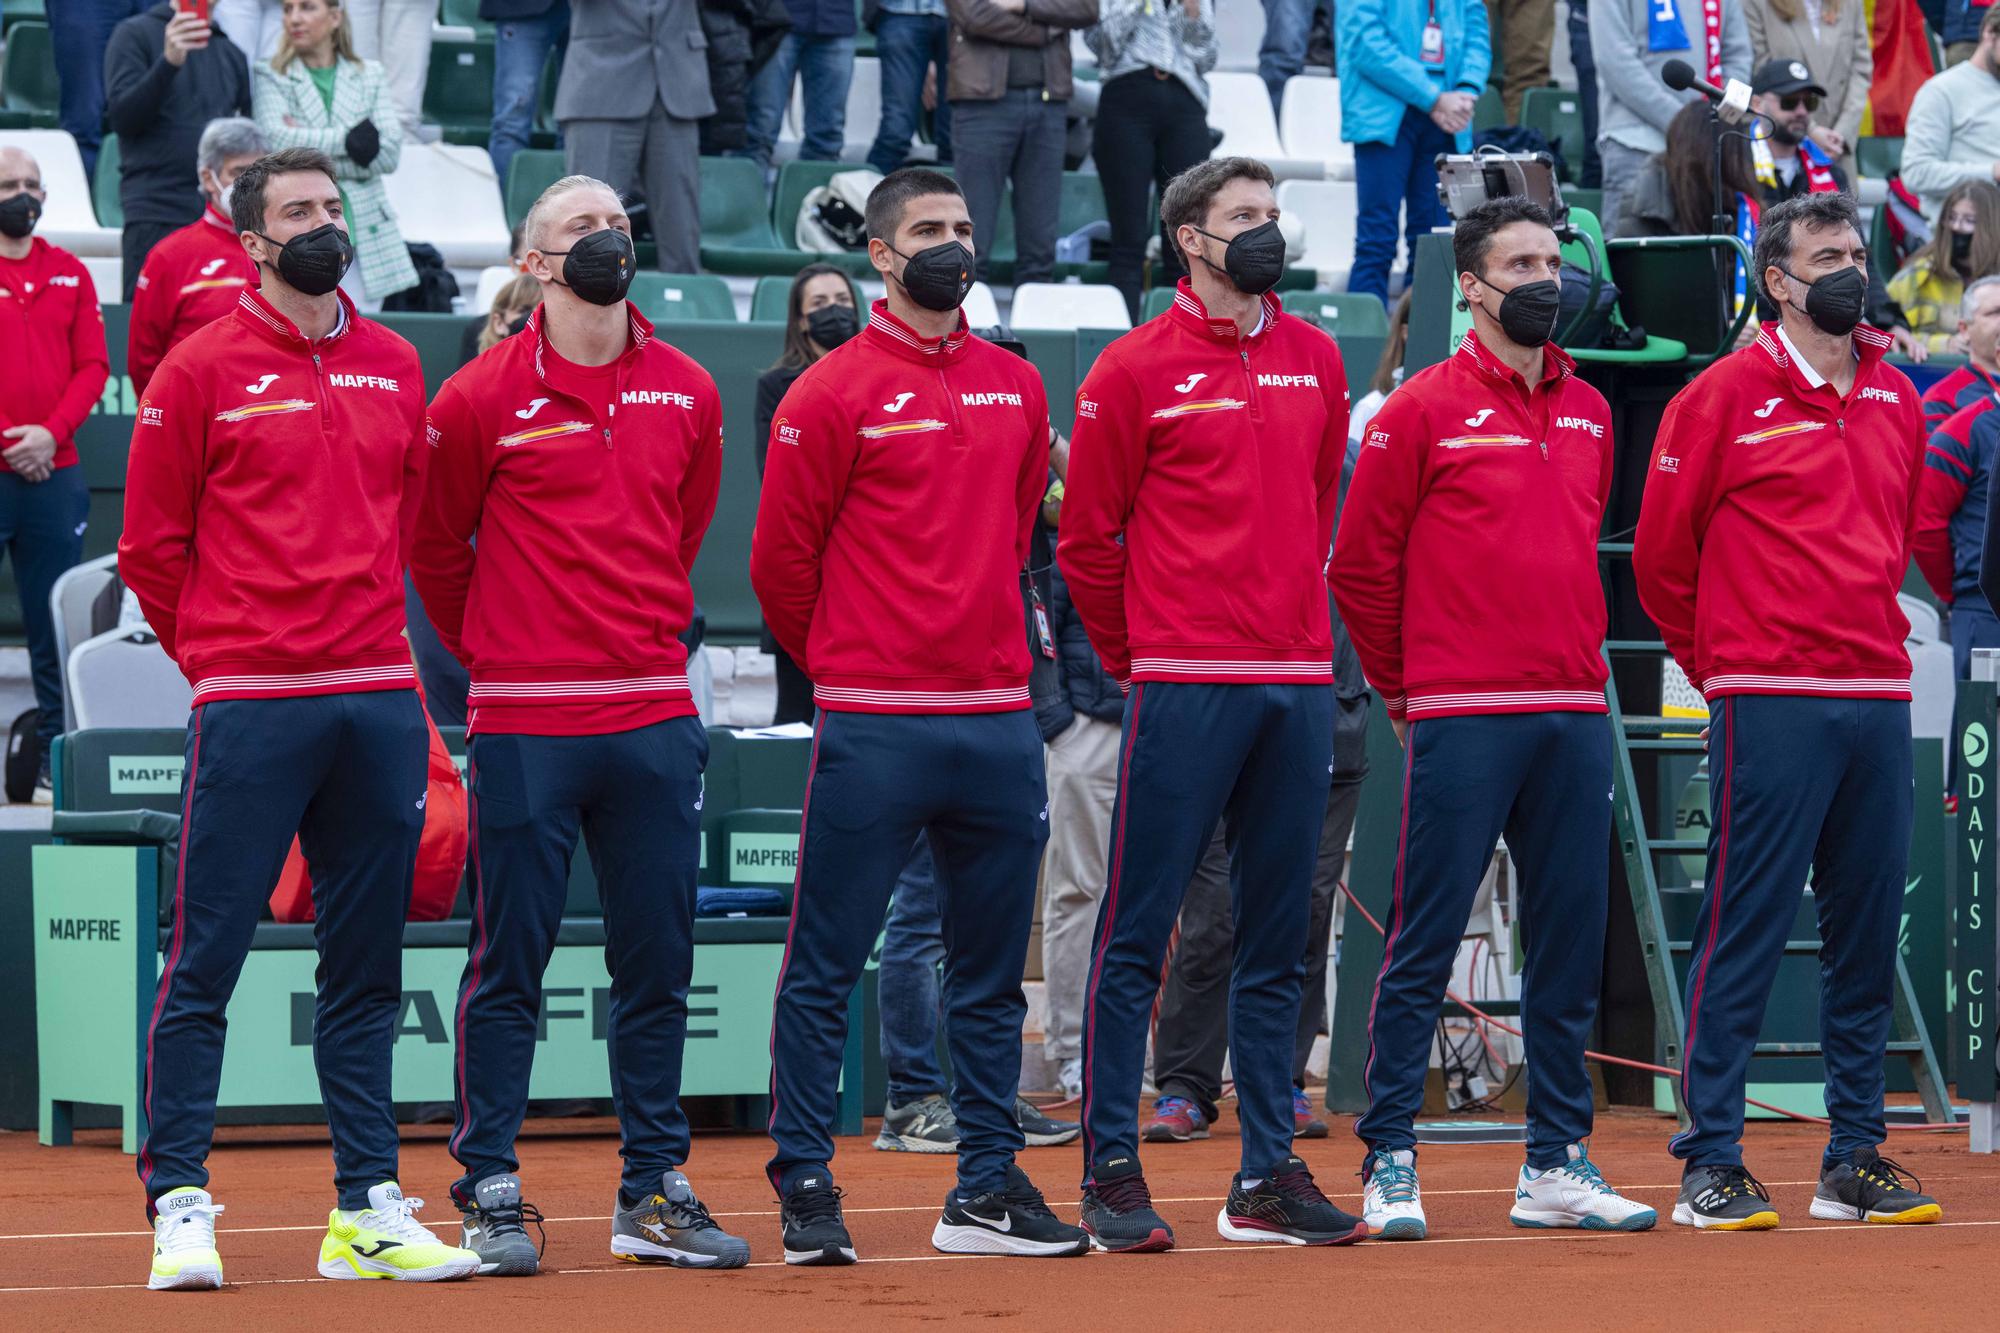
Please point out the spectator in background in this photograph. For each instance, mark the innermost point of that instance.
(1791, 156)
(317, 93)
(167, 74)
(397, 34)
(1960, 30)
(1965, 246)
(524, 33)
(1590, 173)
(911, 40)
(1630, 42)
(1953, 490)
(1523, 31)
(819, 52)
(1830, 38)
(1153, 61)
(726, 24)
(1952, 133)
(1410, 73)
(1288, 30)
(822, 311)
(634, 89)
(196, 275)
(1388, 374)
(512, 305)
(254, 25)
(80, 31)
(1010, 84)
(56, 368)
(1977, 382)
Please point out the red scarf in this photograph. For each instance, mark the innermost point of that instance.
(1711, 39)
(1818, 168)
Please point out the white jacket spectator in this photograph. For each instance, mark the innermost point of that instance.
(1953, 130)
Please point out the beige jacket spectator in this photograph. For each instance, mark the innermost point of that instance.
(1831, 38)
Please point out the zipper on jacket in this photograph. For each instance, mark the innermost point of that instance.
(1249, 380)
(325, 391)
(950, 404)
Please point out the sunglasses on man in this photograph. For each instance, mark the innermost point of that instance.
(1793, 101)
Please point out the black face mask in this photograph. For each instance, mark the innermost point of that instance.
(1961, 247)
(1528, 313)
(1835, 302)
(937, 278)
(18, 215)
(1254, 260)
(315, 261)
(832, 325)
(599, 268)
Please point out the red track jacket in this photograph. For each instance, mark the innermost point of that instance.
(1466, 563)
(269, 502)
(899, 495)
(589, 490)
(1776, 524)
(51, 345)
(1957, 390)
(191, 278)
(1203, 480)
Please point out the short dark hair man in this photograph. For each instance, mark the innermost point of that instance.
(290, 426)
(904, 474)
(1203, 480)
(1466, 570)
(1772, 539)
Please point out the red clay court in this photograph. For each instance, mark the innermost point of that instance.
(74, 1249)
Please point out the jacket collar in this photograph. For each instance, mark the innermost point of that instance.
(1188, 311)
(260, 313)
(642, 333)
(213, 218)
(1870, 345)
(890, 334)
(1556, 363)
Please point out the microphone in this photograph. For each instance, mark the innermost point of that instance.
(1732, 103)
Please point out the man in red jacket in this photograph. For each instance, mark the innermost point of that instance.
(1204, 477)
(275, 474)
(1774, 534)
(1466, 572)
(53, 338)
(904, 473)
(585, 456)
(193, 276)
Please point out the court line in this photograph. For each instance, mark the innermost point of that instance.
(444, 1227)
(1538, 1238)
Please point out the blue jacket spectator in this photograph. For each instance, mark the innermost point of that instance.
(1961, 23)
(1410, 73)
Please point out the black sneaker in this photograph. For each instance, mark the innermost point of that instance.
(1118, 1210)
(1014, 1220)
(1868, 1187)
(814, 1230)
(1724, 1198)
(493, 1227)
(1287, 1207)
(1039, 1130)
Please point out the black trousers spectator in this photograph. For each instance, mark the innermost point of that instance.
(1192, 1036)
(1018, 137)
(1590, 173)
(136, 243)
(1149, 129)
(795, 691)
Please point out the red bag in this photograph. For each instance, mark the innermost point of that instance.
(440, 856)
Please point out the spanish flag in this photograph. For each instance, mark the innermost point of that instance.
(1902, 63)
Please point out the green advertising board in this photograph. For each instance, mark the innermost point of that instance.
(1970, 993)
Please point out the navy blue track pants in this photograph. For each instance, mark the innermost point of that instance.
(1543, 780)
(974, 782)
(346, 772)
(1190, 752)
(635, 797)
(1798, 786)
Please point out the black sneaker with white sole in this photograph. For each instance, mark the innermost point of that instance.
(1039, 1130)
(1286, 1207)
(494, 1227)
(815, 1232)
(1118, 1210)
(1012, 1220)
(1868, 1187)
(1724, 1198)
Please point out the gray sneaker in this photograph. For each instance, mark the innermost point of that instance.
(673, 1228)
(494, 1229)
(925, 1125)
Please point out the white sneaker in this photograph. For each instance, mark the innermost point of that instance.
(1393, 1204)
(184, 1255)
(1575, 1195)
(1070, 1078)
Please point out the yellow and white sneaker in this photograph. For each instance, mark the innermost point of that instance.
(184, 1255)
(385, 1240)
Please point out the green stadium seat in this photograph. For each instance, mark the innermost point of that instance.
(682, 297)
(532, 171)
(736, 233)
(1657, 349)
(104, 186)
(1340, 313)
(1673, 286)
(1489, 112)
(1578, 197)
(23, 11)
(1558, 114)
(1157, 302)
(28, 95)
(768, 302)
(1878, 156)
(459, 94)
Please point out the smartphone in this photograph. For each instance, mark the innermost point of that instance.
(198, 8)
